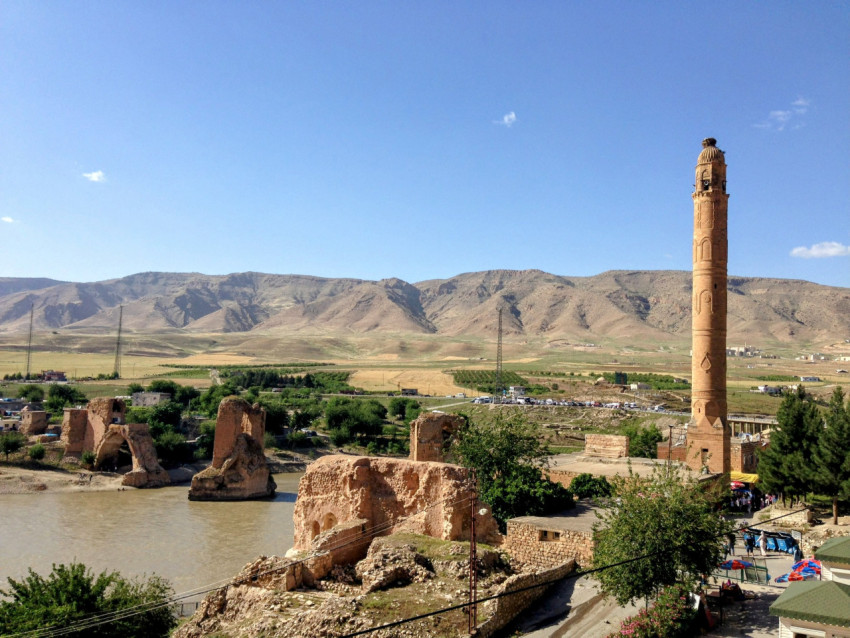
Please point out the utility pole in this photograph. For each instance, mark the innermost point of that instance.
(29, 343)
(499, 385)
(117, 369)
(473, 555)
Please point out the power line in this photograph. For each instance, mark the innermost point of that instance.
(576, 574)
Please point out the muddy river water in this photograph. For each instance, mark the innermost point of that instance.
(137, 532)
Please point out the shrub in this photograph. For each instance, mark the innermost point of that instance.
(588, 486)
(671, 616)
(296, 439)
(37, 452)
(269, 440)
(87, 458)
(172, 449)
(340, 436)
(71, 594)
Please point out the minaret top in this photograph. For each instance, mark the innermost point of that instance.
(710, 153)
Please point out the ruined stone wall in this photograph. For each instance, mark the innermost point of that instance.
(74, 421)
(503, 610)
(677, 452)
(743, 455)
(543, 547)
(339, 489)
(236, 416)
(564, 477)
(33, 422)
(428, 433)
(613, 446)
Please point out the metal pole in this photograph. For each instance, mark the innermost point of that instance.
(473, 562)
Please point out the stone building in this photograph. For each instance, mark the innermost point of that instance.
(708, 447)
(429, 433)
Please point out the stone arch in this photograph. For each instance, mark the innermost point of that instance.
(109, 446)
(328, 521)
(315, 530)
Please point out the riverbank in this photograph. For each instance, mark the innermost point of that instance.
(45, 477)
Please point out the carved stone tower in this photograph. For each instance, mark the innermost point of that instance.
(708, 431)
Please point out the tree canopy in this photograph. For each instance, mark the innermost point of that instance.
(832, 456)
(669, 518)
(31, 392)
(71, 593)
(786, 466)
(509, 456)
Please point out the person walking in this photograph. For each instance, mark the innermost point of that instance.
(750, 543)
(763, 543)
(731, 538)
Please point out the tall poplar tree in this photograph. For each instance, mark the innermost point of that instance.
(832, 457)
(787, 466)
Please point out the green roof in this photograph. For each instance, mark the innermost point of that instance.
(820, 601)
(835, 550)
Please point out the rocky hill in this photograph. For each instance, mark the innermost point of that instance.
(652, 305)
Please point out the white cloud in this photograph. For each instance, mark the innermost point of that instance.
(779, 119)
(823, 249)
(508, 119)
(96, 176)
(8, 220)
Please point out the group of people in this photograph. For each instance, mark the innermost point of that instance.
(750, 543)
(746, 501)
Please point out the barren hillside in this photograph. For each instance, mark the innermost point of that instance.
(615, 305)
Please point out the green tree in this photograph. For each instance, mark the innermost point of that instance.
(135, 387)
(60, 396)
(70, 594)
(208, 401)
(667, 517)
(31, 392)
(205, 440)
(164, 417)
(172, 449)
(832, 456)
(36, 452)
(643, 442)
(785, 466)
(166, 386)
(11, 442)
(509, 456)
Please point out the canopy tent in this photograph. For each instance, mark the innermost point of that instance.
(743, 477)
(835, 550)
(819, 601)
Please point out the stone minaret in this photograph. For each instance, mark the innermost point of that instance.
(708, 431)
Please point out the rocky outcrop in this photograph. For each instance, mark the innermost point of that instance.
(388, 495)
(243, 475)
(387, 566)
(239, 470)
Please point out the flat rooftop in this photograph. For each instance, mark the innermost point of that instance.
(579, 463)
(579, 519)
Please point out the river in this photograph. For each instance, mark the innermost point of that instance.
(137, 532)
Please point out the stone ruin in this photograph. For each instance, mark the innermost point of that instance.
(344, 496)
(33, 422)
(429, 433)
(100, 429)
(238, 470)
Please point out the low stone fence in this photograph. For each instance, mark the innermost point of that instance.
(505, 609)
(542, 548)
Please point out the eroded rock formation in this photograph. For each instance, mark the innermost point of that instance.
(239, 470)
(100, 429)
(428, 435)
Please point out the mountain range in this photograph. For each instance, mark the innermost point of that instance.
(652, 305)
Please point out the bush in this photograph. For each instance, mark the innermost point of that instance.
(588, 486)
(36, 452)
(269, 440)
(296, 439)
(71, 594)
(643, 442)
(671, 616)
(87, 458)
(341, 436)
(172, 449)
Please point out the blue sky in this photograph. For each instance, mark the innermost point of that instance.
(418, 140)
